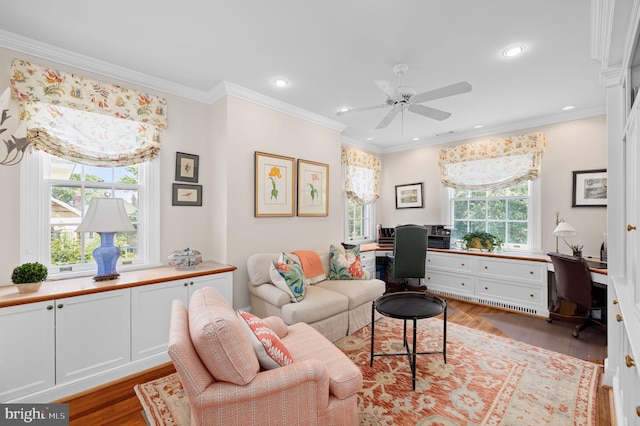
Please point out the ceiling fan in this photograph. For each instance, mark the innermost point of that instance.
(401, 98)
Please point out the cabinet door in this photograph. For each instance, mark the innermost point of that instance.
(450, 262)
(450, 284)
(92, 334)
(150, 316)
(221, 282)
(26, 349)
(368, 260)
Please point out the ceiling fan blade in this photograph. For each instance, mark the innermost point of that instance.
(443, 92)
(349, 111)
(388, 87)
(436, 114)
(387, 119)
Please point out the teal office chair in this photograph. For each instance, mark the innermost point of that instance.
(409, 257)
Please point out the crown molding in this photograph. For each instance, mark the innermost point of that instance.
(65, 57)
(510, 127)
(231, 89)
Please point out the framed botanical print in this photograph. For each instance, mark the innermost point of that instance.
(187, 167)
(313, 188)
(274, 185)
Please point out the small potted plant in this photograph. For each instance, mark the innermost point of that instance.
(481, 240)
(28, 277)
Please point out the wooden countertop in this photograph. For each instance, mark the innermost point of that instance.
(56, 289)
(503, 255)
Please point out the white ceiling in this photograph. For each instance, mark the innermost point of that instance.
(332, 51)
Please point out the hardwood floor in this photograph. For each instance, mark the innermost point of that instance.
(117, 404)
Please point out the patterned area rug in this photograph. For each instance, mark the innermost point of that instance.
(487, 380)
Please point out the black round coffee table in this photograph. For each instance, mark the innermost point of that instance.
(409, 305)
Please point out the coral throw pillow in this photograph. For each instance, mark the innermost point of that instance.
(269, 348)
(287, 275)
(345, 264)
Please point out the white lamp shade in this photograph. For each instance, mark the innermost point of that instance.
(106, 215)
(564, 230)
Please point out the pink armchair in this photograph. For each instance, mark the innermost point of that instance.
(221, 374)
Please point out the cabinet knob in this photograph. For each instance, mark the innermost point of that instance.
(629, 362)
(486, 288)
(462, 284)
(49, 307)
(60, 306)
(631, 228)
(486, 267)
(190, 282)
(531, 295)
(462, 264)
(615, 301)
(186, 284)
(530, 272)
(638, 411)
(618, 317)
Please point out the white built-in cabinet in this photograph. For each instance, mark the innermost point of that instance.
(151, 310)
(54, 348)
(619, 28)
(368, 259)
(515, 284)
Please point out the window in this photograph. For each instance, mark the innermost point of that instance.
(359, 221)
(63, 193)
(510, 213)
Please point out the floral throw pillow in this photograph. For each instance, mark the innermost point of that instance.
(287, 275)
(345, 264)
(271, 352)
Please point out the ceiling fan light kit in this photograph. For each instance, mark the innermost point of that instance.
(401, 98)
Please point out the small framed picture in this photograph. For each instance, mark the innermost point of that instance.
(590, 188)
(274, 186)
(187, 167)
(186, 195)
(409, 196)
(313, 188)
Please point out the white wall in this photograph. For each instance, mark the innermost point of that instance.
(255, 128)
(571, 146)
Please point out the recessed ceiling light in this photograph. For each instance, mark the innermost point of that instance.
(280, 82)
(513, 51)
(478, 126)
(416, 139)
(369, 139)
(568, 108)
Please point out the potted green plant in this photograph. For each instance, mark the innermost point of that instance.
(28, 277)
(481, 240)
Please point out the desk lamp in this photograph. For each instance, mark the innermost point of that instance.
(563, 229)
(106, 216)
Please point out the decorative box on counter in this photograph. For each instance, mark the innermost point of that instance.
(185, 259)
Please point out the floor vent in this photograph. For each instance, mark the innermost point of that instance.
(502, 305)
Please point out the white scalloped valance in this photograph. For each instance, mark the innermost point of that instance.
(492, 164)
(362, 175)
(84, 120)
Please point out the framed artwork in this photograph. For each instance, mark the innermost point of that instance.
(313, 188)
(187, 167)
(275, 179)
(409, 196)
(186, 195)
(590, 188)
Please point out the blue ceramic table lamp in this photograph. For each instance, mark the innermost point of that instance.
(106, 216)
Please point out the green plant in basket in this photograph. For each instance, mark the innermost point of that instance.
(481, 240)
(29, 273)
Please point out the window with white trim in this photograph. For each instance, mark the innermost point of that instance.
(360, 219)
(59, 195)
(512, 214)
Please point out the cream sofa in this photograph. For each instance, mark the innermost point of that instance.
(335, 308)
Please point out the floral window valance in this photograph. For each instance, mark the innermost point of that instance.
(84, 120)
(362, 175)
(492, 164)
